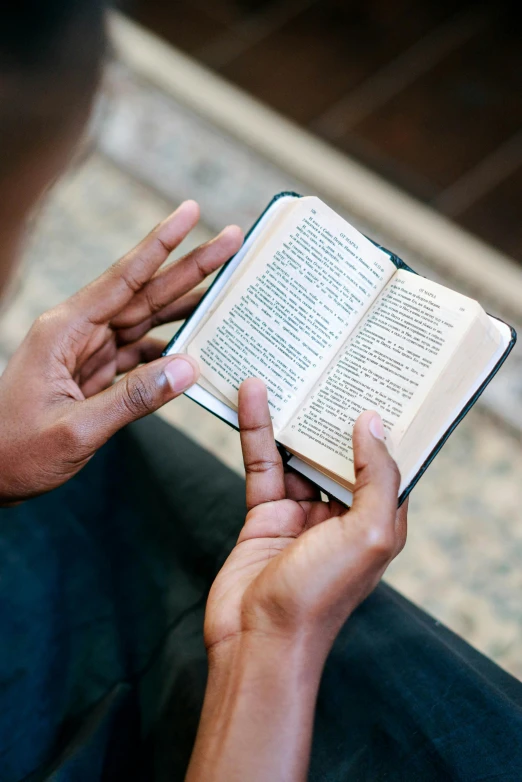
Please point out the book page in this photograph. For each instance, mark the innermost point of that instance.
(292, 308)
(389, 364)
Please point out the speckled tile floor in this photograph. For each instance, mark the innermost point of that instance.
(464, 553)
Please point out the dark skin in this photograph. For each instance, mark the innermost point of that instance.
(299, 569)
(300, 566)
(58, 387)
(57, 394)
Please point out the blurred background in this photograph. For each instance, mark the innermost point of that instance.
(406, 117)
(425, 93)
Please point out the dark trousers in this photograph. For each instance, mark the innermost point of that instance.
(102, 665)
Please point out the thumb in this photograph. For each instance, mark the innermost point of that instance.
(139, 393)
(377, 477)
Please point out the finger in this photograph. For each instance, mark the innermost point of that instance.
(106, 296)
(139, 393)
(263, 465)
(337, 508)
(100, 379)
(316, 512)
(108, 350)
(401, 527)
(377, 479)
(177, 310)
(299, 488)
(147, 349)
(120, 361)
(106, 354)
(180, 277)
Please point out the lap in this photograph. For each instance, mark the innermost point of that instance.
(102, 664)
(103, 587)
(403, 699)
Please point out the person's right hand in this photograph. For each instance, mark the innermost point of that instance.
(298, 570)
(301, 566)
(58, 402)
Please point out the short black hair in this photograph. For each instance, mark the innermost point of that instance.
(34, 32)
(50, 56)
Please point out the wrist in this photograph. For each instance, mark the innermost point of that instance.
(258, 713)
(250, 653)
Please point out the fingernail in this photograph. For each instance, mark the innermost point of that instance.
(180, 375)
(231, 229)
(184, 206)
(189, 202)
(376, 427)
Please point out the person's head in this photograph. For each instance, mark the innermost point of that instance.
(50, 57)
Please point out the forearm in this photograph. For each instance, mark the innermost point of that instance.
(258, 713)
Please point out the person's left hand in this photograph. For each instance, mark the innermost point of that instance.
(58, 402)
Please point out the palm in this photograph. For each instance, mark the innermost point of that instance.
(58, 386)
(298, 558)
(263, 562)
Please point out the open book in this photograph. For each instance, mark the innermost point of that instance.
(335, 325)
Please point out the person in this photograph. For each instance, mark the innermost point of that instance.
(114, 529)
